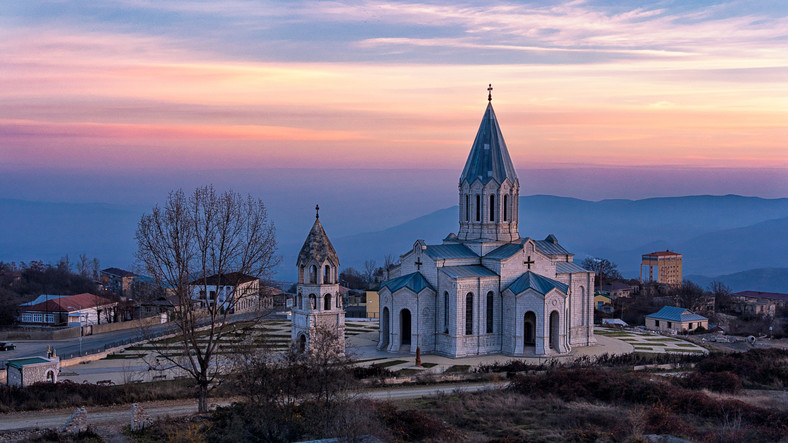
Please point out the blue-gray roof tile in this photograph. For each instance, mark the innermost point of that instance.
(539, 283)
(673, 313)
(472, 271)
(449, 251)
(564, 267)
(550, 246)
(505, 251)
(489, 159)
(414, 281)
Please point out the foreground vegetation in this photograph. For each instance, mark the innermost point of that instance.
(305, 396)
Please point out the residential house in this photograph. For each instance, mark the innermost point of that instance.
(234, 291)
(616, 289)
(671, 319)
(67, 310)
(759, 303)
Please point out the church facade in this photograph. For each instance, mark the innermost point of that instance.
(486, 290)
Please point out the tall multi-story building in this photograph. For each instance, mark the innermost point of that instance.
(667, 264)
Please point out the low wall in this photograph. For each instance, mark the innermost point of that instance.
(119, 326)
(66, 333)
(39, 334)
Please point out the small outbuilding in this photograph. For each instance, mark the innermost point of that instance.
(26, 371)
(671, 318)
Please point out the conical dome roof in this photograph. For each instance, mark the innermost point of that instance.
(489, 159)
(318, 246)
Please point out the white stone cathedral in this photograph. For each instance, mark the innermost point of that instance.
(487, 290)
(318, 303)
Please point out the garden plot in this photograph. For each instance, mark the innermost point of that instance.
(646, 342)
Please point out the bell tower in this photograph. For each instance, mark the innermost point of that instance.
(489, 188)
(317, 312)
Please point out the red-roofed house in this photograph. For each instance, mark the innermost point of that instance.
(66, 310)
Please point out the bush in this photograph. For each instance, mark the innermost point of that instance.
(66, 394)
(725, 382)
(413, 425)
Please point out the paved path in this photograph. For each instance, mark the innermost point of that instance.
(103, 415)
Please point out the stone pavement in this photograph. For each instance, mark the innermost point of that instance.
(362, 338)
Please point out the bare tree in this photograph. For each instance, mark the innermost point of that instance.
(388, 263)
(369, 270)
(83, 266)
(188, 243)
(95, 269)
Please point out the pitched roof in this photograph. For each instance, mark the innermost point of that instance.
(318, 246)
(449, 251)
(70, 303)
(19, 362)
(414, 281)
(505, 251)
(119, 272)
(489, 159)
(228, 279)
(539, 283)
(42, 298)
(472, 271)
(673, 313)
(764, 295)
(550, 246)
(564, 267)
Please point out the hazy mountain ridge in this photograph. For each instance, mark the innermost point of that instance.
(762, 279)
(718, 235)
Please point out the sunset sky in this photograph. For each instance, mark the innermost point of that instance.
(190, 85)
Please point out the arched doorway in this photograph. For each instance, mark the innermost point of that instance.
(405, 326)
(529, 329)
(554, 330)
(301, 343)
(384, 328)
(50, 376)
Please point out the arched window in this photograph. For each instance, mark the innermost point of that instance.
(492, 207)
(339, 305)
(446, 311)
(505, 207)
(326, 274)
(469, 314)
(50, 376)
(300, 301)
(478, 207)
(313, 274)
(467, 207)
(313, 301)
(490, 300)
(327, 302)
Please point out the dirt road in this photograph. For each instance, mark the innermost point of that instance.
(118, 416)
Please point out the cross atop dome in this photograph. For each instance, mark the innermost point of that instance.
(489, 92)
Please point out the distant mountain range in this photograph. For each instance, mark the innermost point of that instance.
(718, 235)
(764, 279)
